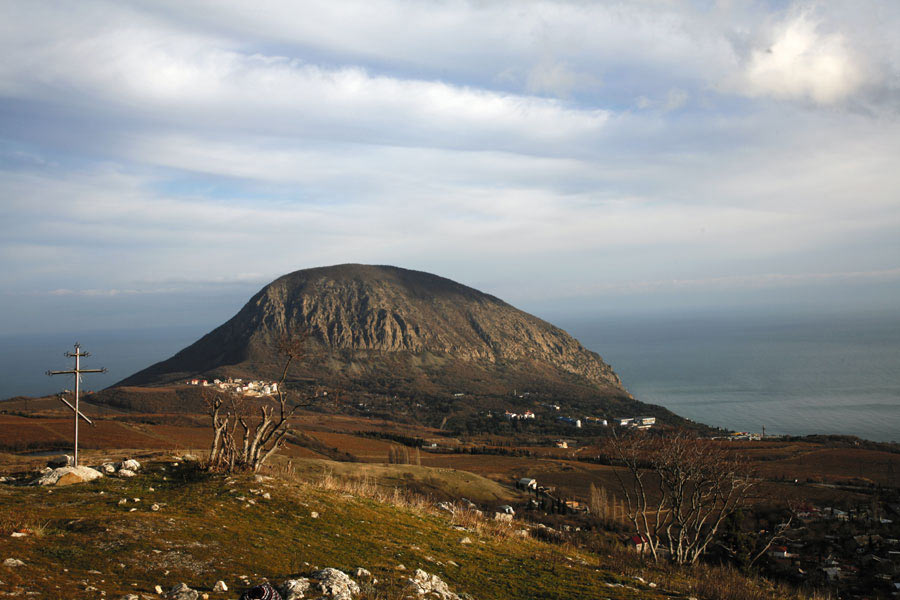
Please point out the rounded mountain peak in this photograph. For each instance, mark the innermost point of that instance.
(382, 321)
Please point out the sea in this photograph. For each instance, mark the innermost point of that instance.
(785, 374)
(792, 374)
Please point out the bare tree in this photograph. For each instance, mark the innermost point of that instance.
(678, 491)
(599, 504)
(248, 431)
(398, 455)
(746, 549)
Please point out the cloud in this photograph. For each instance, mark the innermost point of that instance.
(557, 79)
(181, 81)
(148, 145)
(802, 63)
(108, 292)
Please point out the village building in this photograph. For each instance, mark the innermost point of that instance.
(570, 421)
(638, 543)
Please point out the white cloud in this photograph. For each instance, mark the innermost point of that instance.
(676, 99)
(801, 62)
(184, 81)
(558, 79)
(185, 141)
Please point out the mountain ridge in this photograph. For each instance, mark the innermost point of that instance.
(392, 329)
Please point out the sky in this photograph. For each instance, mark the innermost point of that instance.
(160, 161)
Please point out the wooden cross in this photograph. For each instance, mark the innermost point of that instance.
(77, 371)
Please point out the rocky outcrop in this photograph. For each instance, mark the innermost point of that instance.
(182, 592)
(430, 587)
(365, 321)
(130, 464)
(294, 589)
(335, 584)
(327, 584)
(68, 476)
(64, 460)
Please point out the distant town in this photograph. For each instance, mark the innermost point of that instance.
(256, 387)
(635, 422)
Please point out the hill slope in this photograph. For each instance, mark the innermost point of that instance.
(394, 331)
(206, 528)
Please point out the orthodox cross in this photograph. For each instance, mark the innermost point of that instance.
(77, 371)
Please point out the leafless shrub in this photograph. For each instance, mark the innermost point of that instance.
(248, 431)
(678, 491)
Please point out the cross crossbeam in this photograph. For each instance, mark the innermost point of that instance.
(78, 412)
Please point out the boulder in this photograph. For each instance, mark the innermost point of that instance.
(220, 587)
(335, 584)
(428, 586)
(13, 562)
(182, 592)
(63, 460)
(365, 575)
(126, 473)
(446, 507)
(294, 589)
(68, 476)
(108, 468)
(130, 464)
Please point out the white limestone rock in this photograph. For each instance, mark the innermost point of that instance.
(130, 464)
(294, 589)
(182, 592)
(428, 586)
(335, 584)
(63, 460)
(68, 476)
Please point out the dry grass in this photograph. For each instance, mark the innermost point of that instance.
(367, 487)
(703, 581)
(723, 583)
(12, 522)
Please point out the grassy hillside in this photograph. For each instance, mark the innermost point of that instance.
(107, 537)
(84, 540)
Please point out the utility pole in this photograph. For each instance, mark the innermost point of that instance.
(77, 371)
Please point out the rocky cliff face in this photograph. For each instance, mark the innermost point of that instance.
(375, 319)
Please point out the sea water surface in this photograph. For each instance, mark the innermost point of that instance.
(792, 374)
(24, 360)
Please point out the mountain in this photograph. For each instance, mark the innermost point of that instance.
(388, 330)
